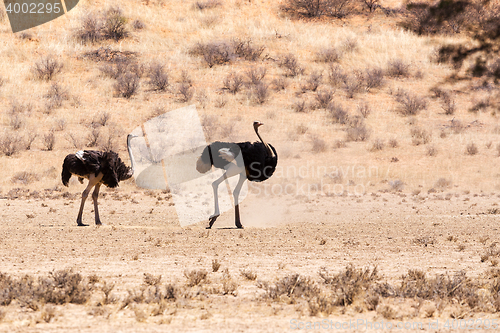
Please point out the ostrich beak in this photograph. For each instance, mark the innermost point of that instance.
(257, 123)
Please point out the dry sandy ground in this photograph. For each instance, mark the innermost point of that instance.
(394, 231)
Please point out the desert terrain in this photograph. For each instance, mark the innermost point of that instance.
(383, 210)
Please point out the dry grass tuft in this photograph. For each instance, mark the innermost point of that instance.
(195, 277)
(47, 68)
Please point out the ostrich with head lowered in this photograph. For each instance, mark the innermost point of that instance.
(259, 163)
(99, 167)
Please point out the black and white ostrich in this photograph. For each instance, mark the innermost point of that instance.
(259, 163)
(99, 167)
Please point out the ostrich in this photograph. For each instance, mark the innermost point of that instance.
(99, 168)
(259, 159)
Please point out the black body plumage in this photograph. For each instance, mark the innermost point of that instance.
(258, 165)
(95, 162)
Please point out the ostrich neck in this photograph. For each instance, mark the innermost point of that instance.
(132, 161)
(270, 153)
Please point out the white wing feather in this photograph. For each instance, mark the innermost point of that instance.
(226, 154)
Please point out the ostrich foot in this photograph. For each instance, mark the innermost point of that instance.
(80, 224)
(98, 223)
(211, 220)
(239, 225)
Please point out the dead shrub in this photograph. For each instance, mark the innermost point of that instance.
(215, 265)
(420, 136)
(260, 92)
(398, 68)
(158, 77)
(364, 110)
(121, 66)
(336, 75)
(195, 277)
(10, 143)
(127, 85)
(255, 75)
(312, 83)
(328, 55)
(471, 149)
(90, 31)
(209, 4)
(353, 84)
(443, 184)
(431, 151)
(214, 53)
(377, 145)
(300, 106)
(49, 141)
(318, 145)
(56, 95)
(410, 104)
(337, 113)
(324, 97)
(151, 280)
(349, 284)
(138, 25)
(24, 178)
(357, 133)
(393, 143)
(290, 64)
(248, 274)
(374, 78)
(279, 83)
(317, 8)
(245, 49)
(448, 104)
(233, 83)
(47, 68)
(292, 286)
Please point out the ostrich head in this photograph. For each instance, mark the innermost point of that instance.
(257, 124)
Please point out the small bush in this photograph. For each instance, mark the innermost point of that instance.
(328, 55)
(448, 104)
(324, 97)
(338, 114)
(280, 83)
(318, 145)
(214, 53)
(195, 277)
(248, 274)
(398, 68)
(10, 143)
(431, 151)
(313, 82)
(245, 49)
(353, 84)
(374, 78)
(410, 104)
(255, 75)
(115, 25)
(138, 25)
(420, 136)
(364, 110)
(49, 141)
(471, 149)
(158, 77)
(336, 75)
(443, 183)
(184, 92)
(91, 30)
(56, 95)
(24, 178)
(233, 83)
(378, 145)
(357, 133)
(215, 265)
(127, 85)
(300, 106)
(260, 93)
(209, 4)
(291, 66)
(47, 68)
(393, 143)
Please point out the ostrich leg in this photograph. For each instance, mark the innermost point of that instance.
(231, 171)
(236, 194)
(95, 194)
(93, 181)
